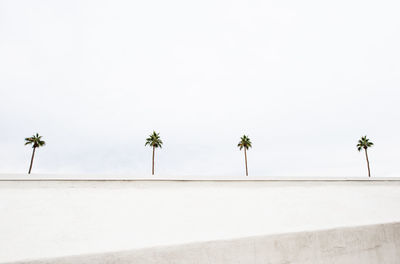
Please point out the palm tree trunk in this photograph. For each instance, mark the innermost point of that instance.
(366, 155)
(245, 160)
(152, 169)
(33, 155)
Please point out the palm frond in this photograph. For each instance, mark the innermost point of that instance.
(244, 143)
(154, 140)
(36, 140)
(364, 143)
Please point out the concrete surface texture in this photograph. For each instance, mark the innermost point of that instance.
(50, 219)
(374, 244)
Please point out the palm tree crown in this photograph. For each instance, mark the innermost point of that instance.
(35, 140)
(364, 143)
(154, 140)
(244, 142)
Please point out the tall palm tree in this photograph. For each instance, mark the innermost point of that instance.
(36, 142)
(245, 144)
(364, 143)
(154, 141)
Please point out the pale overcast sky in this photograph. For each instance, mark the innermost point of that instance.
(303, 79)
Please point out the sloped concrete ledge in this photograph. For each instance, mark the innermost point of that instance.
(373, 244)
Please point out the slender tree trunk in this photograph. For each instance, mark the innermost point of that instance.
(366, 156)
(152, 169)
(33, 155)
(245, 160)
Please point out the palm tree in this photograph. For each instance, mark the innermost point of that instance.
(36, 142)
(154, 141)
(364, 143)
(245, 144)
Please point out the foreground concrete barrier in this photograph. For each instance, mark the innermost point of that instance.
(373, 244)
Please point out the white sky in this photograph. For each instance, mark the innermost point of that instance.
(304, 79)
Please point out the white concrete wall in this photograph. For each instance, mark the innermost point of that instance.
(374, 244)
(51, 219)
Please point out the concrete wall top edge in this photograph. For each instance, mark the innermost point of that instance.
(118, 177)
